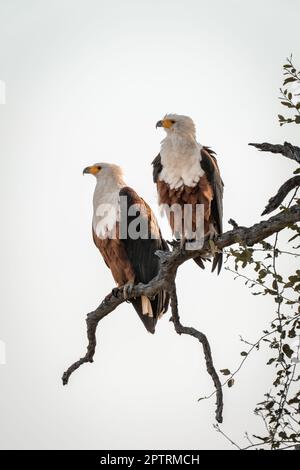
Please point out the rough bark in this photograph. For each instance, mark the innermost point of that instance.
(287, 150)
(283, 191)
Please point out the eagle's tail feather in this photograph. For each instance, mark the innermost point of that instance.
(200, 262)
(146, 306)
(150, 311)
(217, 262)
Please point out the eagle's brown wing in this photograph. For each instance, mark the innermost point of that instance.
(115, 257)
(210, 166)
(157, 167)
(141, 251)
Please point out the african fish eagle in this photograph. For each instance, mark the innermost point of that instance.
(129, 254)
(186, 172)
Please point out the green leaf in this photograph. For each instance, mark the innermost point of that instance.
(270, 291)
(265, 439)
(289, 80)
(292, 333)
(225, 371)
(230, 383)
(296, 172)
(294, 279)
(287, 350)
(293, 401)
(262, 273)
(289, 105)
(270, 405)
(280, 358)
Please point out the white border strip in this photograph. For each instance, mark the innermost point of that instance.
(2, 353)
(2, 92)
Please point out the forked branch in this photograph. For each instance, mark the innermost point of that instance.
(283, 191)
(170, 261)
(187, 330)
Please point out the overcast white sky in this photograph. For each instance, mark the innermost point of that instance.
(86, 81)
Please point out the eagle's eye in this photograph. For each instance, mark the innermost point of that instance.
(98, 167)
(172, 122)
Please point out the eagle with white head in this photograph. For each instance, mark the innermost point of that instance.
(187, 173)
(128, 252)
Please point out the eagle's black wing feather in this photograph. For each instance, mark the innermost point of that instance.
(210, 166)
(157, 167)
(141, 251)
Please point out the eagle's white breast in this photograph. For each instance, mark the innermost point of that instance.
(181, 162)
(106, 204)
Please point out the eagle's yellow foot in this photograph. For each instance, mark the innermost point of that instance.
(212, 232)
(127, 290)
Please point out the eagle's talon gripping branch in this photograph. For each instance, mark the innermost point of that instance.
(173, 242)
(127, 290)
(115, 292)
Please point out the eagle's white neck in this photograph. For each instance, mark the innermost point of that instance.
(180, 158)
(106, 204)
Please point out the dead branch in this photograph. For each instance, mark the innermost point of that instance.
(233, 223)
(170, 261)
(186, 330)
(110, 303)
(287, 150)
(282, 192)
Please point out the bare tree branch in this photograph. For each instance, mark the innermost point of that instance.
(233, 223)
(282, 192)
(287, 150)
(110, 303)
(170, 261)
(185, 330)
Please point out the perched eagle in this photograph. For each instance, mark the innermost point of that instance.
(127, 235)
(186, 172)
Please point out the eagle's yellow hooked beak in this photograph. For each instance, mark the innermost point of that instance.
(166, 123)
(92, 170)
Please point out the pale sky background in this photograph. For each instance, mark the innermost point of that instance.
(86, 81)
